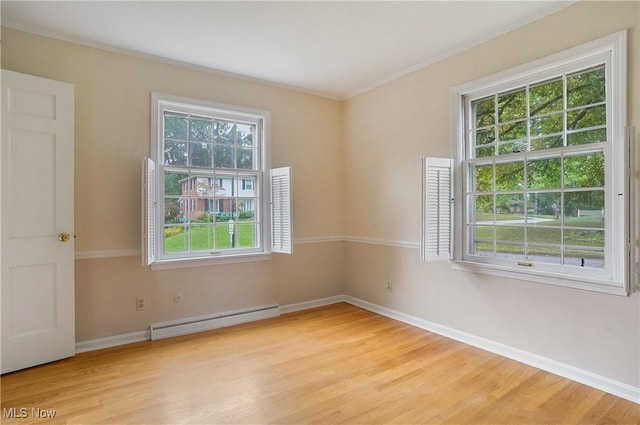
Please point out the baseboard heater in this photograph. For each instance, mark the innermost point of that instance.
(205, 323)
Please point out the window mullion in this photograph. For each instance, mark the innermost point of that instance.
(564, 109)
(563, 207)
(528, 115)
(497, 135)
(526, 179)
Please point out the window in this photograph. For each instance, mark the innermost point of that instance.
(541, 171)
(207, 191)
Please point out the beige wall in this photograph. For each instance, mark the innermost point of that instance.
(387, 130)
(106, 288)
(365, 151)
(112, 136)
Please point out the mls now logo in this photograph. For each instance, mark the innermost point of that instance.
(23, 412)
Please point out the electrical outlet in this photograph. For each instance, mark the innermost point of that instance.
(177, 298)
(141, 303)
(389, 287)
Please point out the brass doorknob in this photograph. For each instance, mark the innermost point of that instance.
(64, 236)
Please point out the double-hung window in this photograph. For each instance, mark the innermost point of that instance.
(541, 169)
(208, 187)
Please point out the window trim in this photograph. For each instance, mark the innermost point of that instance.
(613, 48)
(159, 102)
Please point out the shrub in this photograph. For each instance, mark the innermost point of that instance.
(204, 217)
(173, 231)
(223, 216)
(226, 216)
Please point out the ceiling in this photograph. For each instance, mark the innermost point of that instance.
(331, 48)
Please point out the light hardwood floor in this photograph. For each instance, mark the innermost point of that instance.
(331, 365)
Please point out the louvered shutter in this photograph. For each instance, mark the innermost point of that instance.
(148, 211)
(281, 226)
(436, 232)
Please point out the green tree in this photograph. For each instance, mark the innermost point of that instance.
(534, 118)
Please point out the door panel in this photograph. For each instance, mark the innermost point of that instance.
(35, 182)
(33, 285)
(37, 269)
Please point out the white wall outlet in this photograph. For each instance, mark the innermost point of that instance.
(177, 298)
(141, 303)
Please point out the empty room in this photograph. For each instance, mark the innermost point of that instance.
(320, 212)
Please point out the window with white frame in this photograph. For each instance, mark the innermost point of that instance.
(207, 184)
(542, 171)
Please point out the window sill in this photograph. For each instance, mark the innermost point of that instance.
(566, 281)
(209, 261)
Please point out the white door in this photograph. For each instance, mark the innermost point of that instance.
(36, 213)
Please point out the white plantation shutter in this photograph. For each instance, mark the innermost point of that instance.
(437, 189)
(281, 226)
(148, 211)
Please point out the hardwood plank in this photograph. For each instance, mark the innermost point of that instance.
(333, 365)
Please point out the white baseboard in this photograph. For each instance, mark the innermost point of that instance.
(306, 305)
(619, 389)
(112, 341)
(611, 386)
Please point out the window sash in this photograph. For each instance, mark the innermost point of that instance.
(233, 173)
(521, 249)
(198, 203)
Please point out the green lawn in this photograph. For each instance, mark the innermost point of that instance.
(209, 236)
(544, 233)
